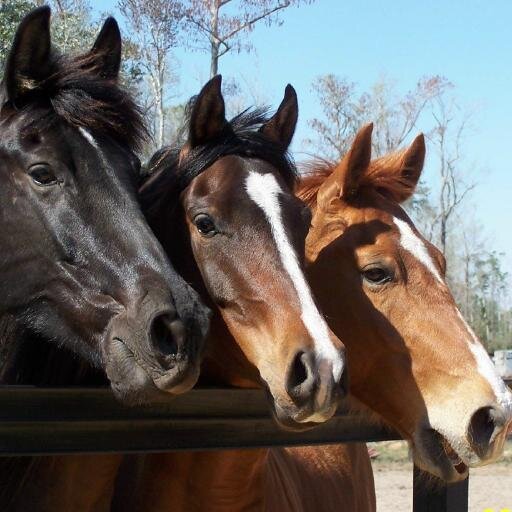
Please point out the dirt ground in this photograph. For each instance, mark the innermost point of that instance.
(490, 488)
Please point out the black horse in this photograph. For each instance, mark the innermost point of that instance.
(82, 277)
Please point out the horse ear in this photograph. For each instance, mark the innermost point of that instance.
(281, 126)
(208, 118)
(107, 49)
(28, 62)
(410, 168)
(344, 180)
(396, 175)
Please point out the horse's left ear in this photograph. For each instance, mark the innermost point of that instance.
(411, 165)
(208, 118)
(106, 50)
(28, 63)
(281, 126)
(345, 179)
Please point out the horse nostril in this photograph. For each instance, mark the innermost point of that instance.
(344, 383)
(485, 424)
(301, 380)
(167, 334)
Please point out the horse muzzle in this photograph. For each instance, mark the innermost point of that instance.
(151, 353)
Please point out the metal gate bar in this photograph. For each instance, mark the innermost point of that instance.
(44, 421)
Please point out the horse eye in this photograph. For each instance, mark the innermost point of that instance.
(205, 225)
(377, 275)
(42, 175)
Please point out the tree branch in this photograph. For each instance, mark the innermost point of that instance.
(254, 20)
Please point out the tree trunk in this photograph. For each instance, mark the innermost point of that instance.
(444, 221)
(214, 37)
(161, 109)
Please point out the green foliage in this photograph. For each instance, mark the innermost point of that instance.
(488, 285)
(11, 12)
(72, 27)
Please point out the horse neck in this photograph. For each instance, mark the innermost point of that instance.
(26, 358)
(217, 481)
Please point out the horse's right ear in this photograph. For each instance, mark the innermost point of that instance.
(106, 50)
(28, 62)
(344, 179)
(208, 118)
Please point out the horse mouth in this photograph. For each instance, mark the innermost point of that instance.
(436, 455)
(454, 457)
(138, 373)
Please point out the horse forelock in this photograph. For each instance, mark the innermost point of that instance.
(314, 174)
(77, 93)
(381, 176)
(171, 169)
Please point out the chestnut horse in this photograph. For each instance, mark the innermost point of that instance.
(88, 294)
(413, 358)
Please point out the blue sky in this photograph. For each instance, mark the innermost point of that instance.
(469, 42)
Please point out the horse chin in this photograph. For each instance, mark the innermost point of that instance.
(433, 454)
(180, 379)
(286, 422)
(130, 383)
(133, 384)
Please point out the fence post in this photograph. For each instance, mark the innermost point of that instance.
(439, 496)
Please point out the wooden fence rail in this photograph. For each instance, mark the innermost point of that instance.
(43, 421)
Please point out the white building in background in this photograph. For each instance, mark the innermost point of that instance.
(503, 362)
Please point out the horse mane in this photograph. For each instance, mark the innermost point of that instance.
(170, 171)
(78, 93)
(388, 176)
(381, 175)
(314, 174)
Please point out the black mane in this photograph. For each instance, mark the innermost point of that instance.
(167, 175)
(77, 93)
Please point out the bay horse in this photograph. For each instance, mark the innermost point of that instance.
(227, 195)
(414, 360)
(87, 291)
(229, 217)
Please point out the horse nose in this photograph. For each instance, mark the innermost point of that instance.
(486, 424)
(301, 381)
(311, 382)
(167, 335)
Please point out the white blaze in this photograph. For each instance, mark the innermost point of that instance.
(487, 368)
(264, 190)
(92, 141)
(89, 137)
(414, 245)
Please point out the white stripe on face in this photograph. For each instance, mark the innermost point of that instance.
(487, 369)
(89, 137)
(413, 244)
(264, 190)
(92, 141)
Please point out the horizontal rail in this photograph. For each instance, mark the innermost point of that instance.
(41, 421)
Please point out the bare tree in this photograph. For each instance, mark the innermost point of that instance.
(154, 26)
(447, 137)
(344, 111)
(219, 26)
(72, 26)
